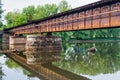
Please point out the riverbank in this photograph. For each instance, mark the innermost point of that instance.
(93, 40)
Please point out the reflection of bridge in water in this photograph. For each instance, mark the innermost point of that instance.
(46, 71)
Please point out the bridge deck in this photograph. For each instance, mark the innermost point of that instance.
(101, 14)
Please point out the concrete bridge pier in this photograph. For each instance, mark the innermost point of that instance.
(17, 43)
(10, 42)
(43, 49)
(5, 41)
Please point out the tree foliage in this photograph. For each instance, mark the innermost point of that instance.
(46, 10)
(1, 11)
(15, 18)
(29, 12)
(63, 6)
(1, 24)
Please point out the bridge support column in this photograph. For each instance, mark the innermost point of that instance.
(5, 41)
(42, 49)
(17, 43)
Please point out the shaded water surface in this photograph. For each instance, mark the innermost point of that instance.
(101, 64)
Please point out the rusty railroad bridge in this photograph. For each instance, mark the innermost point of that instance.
(101, 14)
(98, 15)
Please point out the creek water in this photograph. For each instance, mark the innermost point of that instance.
(12, 71)
(103, 63)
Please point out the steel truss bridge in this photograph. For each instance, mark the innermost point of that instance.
(97, 15)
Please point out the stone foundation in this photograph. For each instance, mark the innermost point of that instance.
(5, 38)
(17, 40)
(5, 41)
(42, 49)
(17, 43)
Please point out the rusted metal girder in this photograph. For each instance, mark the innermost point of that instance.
(101, 14)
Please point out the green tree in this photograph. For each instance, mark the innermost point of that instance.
(15, 18)
(1, 11)
(29, 12)
(63, 6)
(46, 10)
(1, 25)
